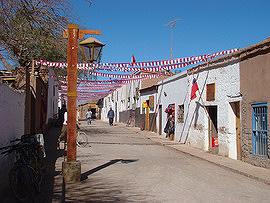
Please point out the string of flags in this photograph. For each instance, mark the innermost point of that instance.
(146, 66)
(133, 71)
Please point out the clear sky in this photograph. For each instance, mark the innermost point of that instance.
(137, 26)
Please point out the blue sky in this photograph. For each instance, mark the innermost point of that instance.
(137, 27)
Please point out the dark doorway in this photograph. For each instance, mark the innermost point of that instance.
(93, 113)
(160, 119)
(212, 129)
(115, 112)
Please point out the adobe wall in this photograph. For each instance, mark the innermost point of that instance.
(254, 86)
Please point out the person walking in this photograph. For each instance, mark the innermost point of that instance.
(88, 116)
(110, 116)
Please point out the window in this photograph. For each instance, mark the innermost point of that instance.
(180, 118)
(259, 128)
(210, 92)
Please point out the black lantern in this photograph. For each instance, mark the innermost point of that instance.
(92, 49)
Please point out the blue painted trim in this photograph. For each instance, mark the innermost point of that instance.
(259, 104)
(253, 136)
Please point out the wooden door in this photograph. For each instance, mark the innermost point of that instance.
(147, 118)
(116, 112)
(160, 119)
(238, 137)
(236, 109)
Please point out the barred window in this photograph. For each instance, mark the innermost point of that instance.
(180, 118)
(259, 128)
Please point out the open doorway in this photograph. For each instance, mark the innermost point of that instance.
(93, 110)
(115, 112)
(212, 129)
(236, 110)
(160, 119)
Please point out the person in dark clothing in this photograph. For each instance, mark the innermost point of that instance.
(110, 116)
(169, 128)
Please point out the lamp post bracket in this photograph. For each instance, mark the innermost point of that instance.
(82, 33)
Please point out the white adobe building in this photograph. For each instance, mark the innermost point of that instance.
(53, 101)
(174, 91)
(121, 100)
(211, 120)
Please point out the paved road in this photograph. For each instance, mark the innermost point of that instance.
(124, 166)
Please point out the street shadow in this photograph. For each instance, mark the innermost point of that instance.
(52, 154)
(101, 190)
(85, 175)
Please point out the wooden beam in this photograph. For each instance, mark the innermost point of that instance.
(89, 32)
(82, 33)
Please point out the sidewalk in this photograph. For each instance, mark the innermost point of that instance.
(237, 166)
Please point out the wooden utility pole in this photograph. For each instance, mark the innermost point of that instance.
(72, 91)
(73, 34)
(72, 172)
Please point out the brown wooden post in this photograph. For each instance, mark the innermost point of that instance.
(72, 91)
(71, 168)
(147, 119)
(27, 119)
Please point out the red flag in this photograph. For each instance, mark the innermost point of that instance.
(194, 89)
(133, 59)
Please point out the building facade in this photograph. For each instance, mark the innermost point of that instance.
(254, 77)
(214, 115)
(229, 115)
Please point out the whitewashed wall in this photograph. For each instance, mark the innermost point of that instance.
(227, 82)
(12, 105)
(119, 101)
(176, 90)
(53, 101)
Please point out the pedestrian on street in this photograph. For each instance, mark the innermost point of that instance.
(110, 116)
(63, 135)
(88, 116)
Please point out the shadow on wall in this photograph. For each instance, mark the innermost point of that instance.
(198, 105)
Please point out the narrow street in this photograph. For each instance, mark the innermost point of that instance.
(120, 165)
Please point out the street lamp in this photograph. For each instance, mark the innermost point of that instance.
(92, 49)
